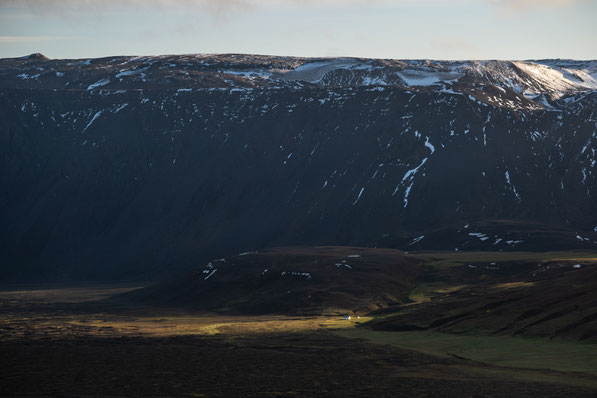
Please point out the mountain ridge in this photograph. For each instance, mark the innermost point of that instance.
(144, 166)
(257, 70)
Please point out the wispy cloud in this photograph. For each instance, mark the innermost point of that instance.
(215, 5)
(452, 44)
(30, 39)
(452, 47)
(525, 4)
(65, 6)
(244, 4)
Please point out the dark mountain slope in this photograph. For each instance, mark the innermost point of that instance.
(550, 295)
(554, 298)
(140, 167)
(320, 280)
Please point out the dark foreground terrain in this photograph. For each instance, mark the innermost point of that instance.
(68, 342)
(299, 364)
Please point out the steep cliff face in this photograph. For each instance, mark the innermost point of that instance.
(140, 167)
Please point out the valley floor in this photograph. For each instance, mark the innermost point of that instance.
(63, 342)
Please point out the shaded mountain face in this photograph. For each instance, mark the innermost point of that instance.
(139, 167)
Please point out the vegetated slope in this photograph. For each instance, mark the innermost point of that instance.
(139, 167)
(320, 280)
(503, 295)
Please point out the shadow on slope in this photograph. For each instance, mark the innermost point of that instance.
(528, 294)
(318, 280)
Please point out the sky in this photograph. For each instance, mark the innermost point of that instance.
(399, 29)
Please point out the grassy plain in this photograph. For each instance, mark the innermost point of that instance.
(517, 352)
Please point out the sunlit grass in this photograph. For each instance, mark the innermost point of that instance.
(102, 325)
(531, 353)
(512, 285)
(444, 259)
(424, 292)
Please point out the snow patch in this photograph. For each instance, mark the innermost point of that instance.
(414, 77)
(130, 72)
(98, 114)
(429, 145)
(359, 197)
(479, 235)
(121, 107)
(416, 240)
(412, 172)
(99, 83)
(294, 273)
(210, 274)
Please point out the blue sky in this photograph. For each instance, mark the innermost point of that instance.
(437, 29)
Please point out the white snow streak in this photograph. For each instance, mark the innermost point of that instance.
(210, 274)
(359, 197)
(97, 84)
(92, 120)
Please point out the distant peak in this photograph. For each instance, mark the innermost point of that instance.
(36, 56)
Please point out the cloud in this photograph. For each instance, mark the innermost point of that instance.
(231, 7)
(57, 4)
(64, 5)
(452, 44)
(214, 7)
(217, 8)
(243, 4)
(525, 4)
(30, 39)
(452, 47)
